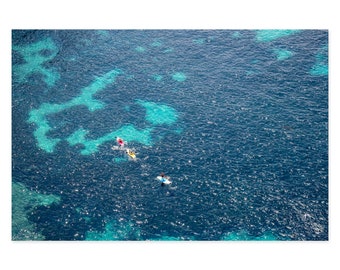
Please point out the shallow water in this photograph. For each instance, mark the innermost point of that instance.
(237, 119)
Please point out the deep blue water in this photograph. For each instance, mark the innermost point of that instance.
(248, 154)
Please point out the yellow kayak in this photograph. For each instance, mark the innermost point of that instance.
(131, 154)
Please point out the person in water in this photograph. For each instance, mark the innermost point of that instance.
(130, 153)
(164, 177)
(120, 141)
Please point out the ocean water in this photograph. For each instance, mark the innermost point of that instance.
(237, 119)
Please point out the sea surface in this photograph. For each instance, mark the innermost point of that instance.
(238, 119)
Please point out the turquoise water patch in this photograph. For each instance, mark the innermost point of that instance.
(140, 49)
(24, 201)
(250, 72)
(115, 231)
(103, 33)
(236, 34)
(199, 41)
(128, 132)
(35, 56)
(157, 77)
(320, 68)
(169, 50)
(87, 42)
(178, 130)
(270, 35)
(130, 77)
(171, 238)
(244, 236)
(282, 54)
(158, 114)
(77, 137)
(39, 116)
(120, 159)
(179, 77)
(156, 43)
(154, 46)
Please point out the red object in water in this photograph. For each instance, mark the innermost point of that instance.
(120, 141)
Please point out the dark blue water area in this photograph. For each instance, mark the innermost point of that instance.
(248, 154)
